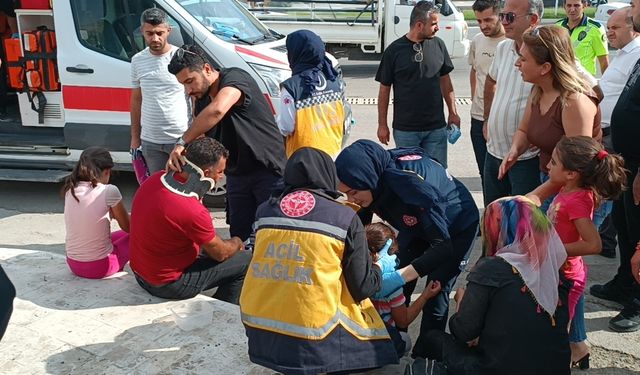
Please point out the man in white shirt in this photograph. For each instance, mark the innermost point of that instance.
(483, 48)
(622, 37)
(505, 99)
(159, 108)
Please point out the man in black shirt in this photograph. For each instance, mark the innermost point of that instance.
(239, 116)
(625, 133)
(417, 65)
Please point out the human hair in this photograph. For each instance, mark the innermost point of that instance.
(482, 5)
(582, 1)
(205, 152)
(377, 236)
(188, 56)
(536, 7)
(600, 171)
(422, 11)
(92, 162)
(552, 44)
(154, 16)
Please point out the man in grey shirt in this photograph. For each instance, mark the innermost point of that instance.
(159, 106)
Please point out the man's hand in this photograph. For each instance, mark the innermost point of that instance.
(454, 119)
(383, 134)
(635, 263)
(135, 143)
(176, 160)
(636, 189)
(432, 289)
(485, 131)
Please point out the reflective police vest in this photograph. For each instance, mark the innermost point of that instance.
(319, 118)
(589, 41)
(294, 285)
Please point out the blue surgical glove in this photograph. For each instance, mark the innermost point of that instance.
(386, 262)
(15, 36)
(391, 281)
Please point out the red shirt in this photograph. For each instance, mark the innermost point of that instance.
(565, 208)
(167, 230)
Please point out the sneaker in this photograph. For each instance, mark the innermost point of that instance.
(611, 291)
(628, 320)
(4, 117)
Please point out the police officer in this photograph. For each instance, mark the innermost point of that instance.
(305, 302)
(588, 36)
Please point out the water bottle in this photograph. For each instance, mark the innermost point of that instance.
(453, 133)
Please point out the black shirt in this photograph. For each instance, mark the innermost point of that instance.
(248, 130)
(417, 99)
(8, 8)
(625, 129)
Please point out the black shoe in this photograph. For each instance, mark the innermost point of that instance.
(4, 117)
(612, 291)
(628, 320)
(611, 254)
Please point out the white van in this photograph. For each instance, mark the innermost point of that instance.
(95, 42)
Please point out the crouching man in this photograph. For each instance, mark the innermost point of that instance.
(175, 251)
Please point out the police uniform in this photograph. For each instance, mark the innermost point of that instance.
(319, 115)
(299, 312)
(589, 41)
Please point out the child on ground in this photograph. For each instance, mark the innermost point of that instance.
(90, 203)
(393, 308)
(584, 173)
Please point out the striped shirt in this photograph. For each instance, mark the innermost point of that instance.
(384, 306)
(509, 101)
(164, 115)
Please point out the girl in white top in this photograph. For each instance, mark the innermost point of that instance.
(90, 203)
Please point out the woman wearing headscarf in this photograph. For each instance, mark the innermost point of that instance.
(513, 316)
(434, 214)
(305, 302)
(312, 110)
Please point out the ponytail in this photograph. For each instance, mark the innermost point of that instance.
(92, 162)
(600, 171)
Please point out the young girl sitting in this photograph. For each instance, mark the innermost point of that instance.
(392, 308)
(89, 205)
(584, 173)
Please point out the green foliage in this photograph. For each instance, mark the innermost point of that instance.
(549, 13)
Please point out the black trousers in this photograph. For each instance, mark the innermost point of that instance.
(7, 294)
(206, 273)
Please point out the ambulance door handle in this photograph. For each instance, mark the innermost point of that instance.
(76, 69)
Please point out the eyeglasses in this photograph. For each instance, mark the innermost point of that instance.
(510, 17)
(536, 34)
(418, 57)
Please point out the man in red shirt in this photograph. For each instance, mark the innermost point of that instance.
(175, 252)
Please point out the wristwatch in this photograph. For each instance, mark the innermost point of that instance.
(181, 142)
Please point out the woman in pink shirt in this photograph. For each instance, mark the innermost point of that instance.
(584, 174)
(90, 203)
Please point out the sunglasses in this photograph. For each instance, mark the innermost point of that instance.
(419, 56)
(181, 51)
(536, 34)
(510, 17)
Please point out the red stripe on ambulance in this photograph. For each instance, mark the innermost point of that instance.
(114, 99)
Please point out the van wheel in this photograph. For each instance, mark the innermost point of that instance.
(216, 198)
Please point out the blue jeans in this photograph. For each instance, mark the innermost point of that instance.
(578, 331)
(479, 144)
(433, 142)
(521, 179)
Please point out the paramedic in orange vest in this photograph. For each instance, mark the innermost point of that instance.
(304, 301)
(312, 110)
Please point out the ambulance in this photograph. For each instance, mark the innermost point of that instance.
(70, 67)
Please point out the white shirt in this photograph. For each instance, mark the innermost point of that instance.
(287, 114)
(480, 57)
(509, 101)
(164, 113)
(615, 77)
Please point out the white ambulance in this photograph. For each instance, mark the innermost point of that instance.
(95, 42)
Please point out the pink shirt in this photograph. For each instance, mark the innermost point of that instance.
(88, 222)
(565, 208)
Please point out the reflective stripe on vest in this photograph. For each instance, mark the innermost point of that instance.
(320, 332)
(313, 226)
